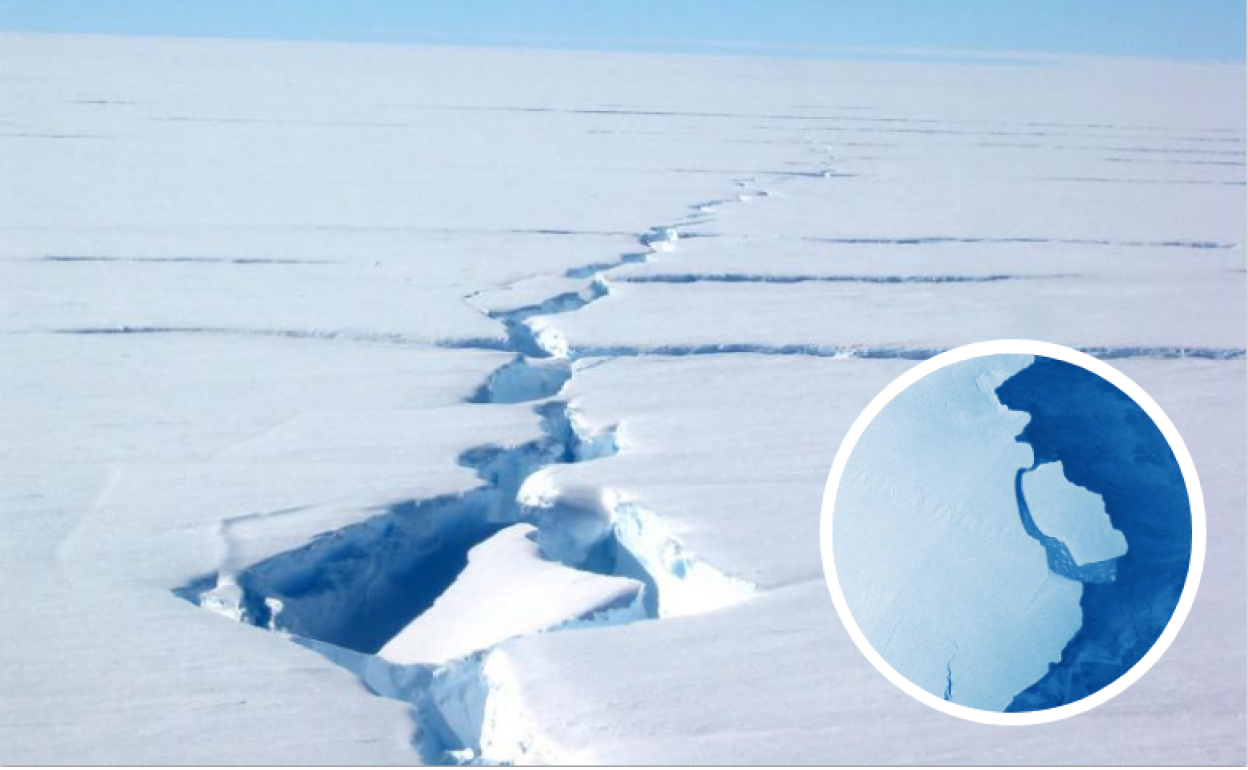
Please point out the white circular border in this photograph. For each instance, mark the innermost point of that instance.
(1123, 383)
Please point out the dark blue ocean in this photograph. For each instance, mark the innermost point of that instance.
(1108, 445)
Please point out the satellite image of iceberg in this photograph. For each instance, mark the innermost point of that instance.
(1012, 533)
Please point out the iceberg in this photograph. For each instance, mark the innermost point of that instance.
(1071, 514)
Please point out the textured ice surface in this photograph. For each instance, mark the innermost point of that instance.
(831, 317)
(508, 590)
(686, 584)
(932, 557)
(1071, 514)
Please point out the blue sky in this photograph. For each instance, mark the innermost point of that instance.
(1182, 29)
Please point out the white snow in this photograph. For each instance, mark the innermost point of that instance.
(686, 583)
(507, 590)
(827, 318)
(269, 325)
(480, 709)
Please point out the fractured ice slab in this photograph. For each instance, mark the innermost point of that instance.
(933, 559)
(1072, 514)
(507, 590)
(685, 584)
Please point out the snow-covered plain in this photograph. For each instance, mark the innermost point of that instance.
(330, 338)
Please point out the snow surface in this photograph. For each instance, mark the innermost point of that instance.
(508, 590)
(834, 317)
(289, 328)
(1072, 514)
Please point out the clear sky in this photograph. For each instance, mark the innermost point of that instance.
(1182, 29)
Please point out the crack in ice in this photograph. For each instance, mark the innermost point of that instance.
(347, 592)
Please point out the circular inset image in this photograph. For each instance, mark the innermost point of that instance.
(1013, 532)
